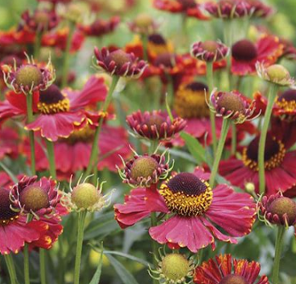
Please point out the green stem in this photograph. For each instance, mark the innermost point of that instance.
(30, 118)
(154, 243)
(51, 158)
(67, 54)
(277, 255)
(26, 264)
(37, 44)
(262, 141)
(144, 38)
(80, 233)
(233, 138)
(218, 154)
(153, 146)
(170, 90)
(11, 268)
(94, 149)
(210, 80)
(42, 266)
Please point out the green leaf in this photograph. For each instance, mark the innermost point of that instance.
(194, 147)
(125, 276)
(97, 275)
(131, 257)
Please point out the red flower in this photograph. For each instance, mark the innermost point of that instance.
(245, 54)
(15, 37)
(193, 209)
(225, 269)
(189, 7)
(9, 143)
(280, 171)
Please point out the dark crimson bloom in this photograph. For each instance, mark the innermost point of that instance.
(245, 54)
(14, 230)
(40, 20)
(209, 51)
(193, 208)
(285, 105)
(228, 9)
(189, 7)
(100, 27)
(145, 170)
(278, 209)
(224, 269)
(119, 63)
(38, 197)
(155, 125)
(280, 172)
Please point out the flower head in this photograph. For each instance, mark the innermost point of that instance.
(209, 51)
(85, 196)
(29, 77)
(224, 269)
(285, 105)
(38, 197)
(276, 74)
(143, 24)
(232, 105)
(154, 125)
(119, 63)
(145, 170)
(278, 209)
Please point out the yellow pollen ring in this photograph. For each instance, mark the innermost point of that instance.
(7, 221)
(190, 104)
(187, 205)
(272, 163)
(61, 106)
(287, 106)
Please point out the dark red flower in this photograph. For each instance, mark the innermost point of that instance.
(224, 269)
(189, 7)
(245, 54)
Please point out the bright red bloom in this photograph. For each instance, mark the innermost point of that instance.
(225, 269)
(191, 218)
(189, 7)
(280, 171)
(16, 37)
(245, 54)
(100, 27)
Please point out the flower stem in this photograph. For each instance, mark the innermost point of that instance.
(51, 158)
(37, 44)
(170, 90)
(94, 149)
(210, 80)
(11, 268)
(30, 118)
(145, 46)
(154, 243)
(80, 233)
(67, 54)
(218, 154)
(233, 138)
(277, 255)
(262, 141)
(26, 265)
(42, 266)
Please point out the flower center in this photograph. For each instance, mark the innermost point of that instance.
(244, 50)
(143, 20)
(52, 101)
(277, 73)
(187, 3)
(119, 57)
(28, 76)
(190, 101)
(210, 46)
(165, 60)
(233, 279)
(85, 195)
(231, 102)
(282, 206)
(41, 18)
(34, 198)
(274, 153)
(287, 100)
(154, 121)
(85, 134)
(143, 167)
(175, 267)
(187, 195)
(157, 39)
(6, 214)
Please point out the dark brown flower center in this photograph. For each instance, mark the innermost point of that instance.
(166, 60)
(210, 45)
(197, 86)
(244, 50)
(34, 198)
(119, 57)
(233, 279)
(52, 101)
(28, 76)
(85, 134)
(157, 39)
(143, 167)
(6, 214)
(154, 120)
(231, 102)
(274, 153)
(288, 96)
(282, 206)
(187, 3)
